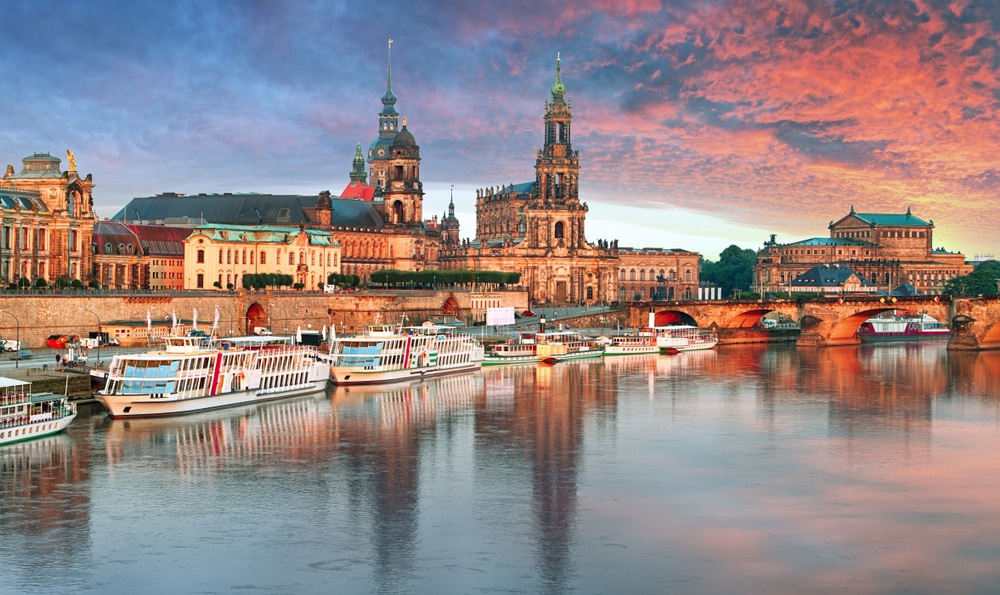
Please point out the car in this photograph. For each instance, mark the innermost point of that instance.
(527, 313)
(22, 354)
(112, 342)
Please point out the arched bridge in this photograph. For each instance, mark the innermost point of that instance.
(824, 321)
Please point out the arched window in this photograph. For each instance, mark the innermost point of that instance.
(121, 248)
(652, 275)
(107, 248)
(397, 212)
(201, 281)
(621, 274)
(631, 274)
(590, 292)
(201, 257)
(642, 274)
(220, 255)
(558, 232)
(687, 275)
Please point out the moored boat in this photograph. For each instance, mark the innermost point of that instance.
(390, 353)
(635, 343)
(522, 350)
(197, 373)
(900, 325)
(675, 338)
(558, 346)
(25, 416)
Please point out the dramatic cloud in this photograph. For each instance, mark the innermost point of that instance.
(765, 116)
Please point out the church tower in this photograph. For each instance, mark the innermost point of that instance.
(388, 127)
(555, 217)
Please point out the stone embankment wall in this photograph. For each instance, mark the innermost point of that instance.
(33, 318)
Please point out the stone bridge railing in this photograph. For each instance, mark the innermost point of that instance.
(829, 321)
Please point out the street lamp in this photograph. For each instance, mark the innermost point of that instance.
(231, 317)
(99, 337)
(17, 336)
(270, 305)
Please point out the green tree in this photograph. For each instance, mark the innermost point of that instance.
(734, 270)
(982, 280)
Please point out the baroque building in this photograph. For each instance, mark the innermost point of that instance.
(47, 221)
(538, 229)
(377, 225)
(220, 255)
(885, 249)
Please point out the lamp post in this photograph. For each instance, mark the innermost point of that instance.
(231, 317)
(99, 337)
(272, 305)
(166, 317)
(17, 335)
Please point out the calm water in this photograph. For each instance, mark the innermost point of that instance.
(742, 470)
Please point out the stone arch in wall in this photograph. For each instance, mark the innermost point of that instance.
(256, 316)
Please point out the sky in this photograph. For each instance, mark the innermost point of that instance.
(698, 124)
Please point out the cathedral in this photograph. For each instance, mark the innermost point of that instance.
(538, 229)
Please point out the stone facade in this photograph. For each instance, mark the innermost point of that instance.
(655, 273)
(887, 250)
(47, 221)
(220, 255)
(538, 229)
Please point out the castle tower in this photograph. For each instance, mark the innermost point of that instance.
(388, 127)
(404, 194)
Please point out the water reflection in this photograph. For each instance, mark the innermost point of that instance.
(743, 469)
(44, 525)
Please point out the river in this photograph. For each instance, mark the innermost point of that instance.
(747, 469)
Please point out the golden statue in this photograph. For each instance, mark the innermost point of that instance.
(72, 160)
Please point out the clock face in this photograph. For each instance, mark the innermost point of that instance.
(381, 152)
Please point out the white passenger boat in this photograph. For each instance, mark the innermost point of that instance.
(634, 343)
(389, 353)
(196, 373)
(522, 350)
(24, 416)
(677, 338)
(558, 346)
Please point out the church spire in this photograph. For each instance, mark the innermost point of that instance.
(389, 100)
(558, 88)
(358, 174)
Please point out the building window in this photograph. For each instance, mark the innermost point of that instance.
(631, 275)
(621, 275)
(220, 255)
(642, 274)
(291, 257)
(201, 256)
(558, 233)
(263, 259)
(201, 281)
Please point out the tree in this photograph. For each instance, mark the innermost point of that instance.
(734, 270)
(982, 280)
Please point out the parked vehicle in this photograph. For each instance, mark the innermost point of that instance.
(262, 331)
(9, 345)
(22, 354)
(527, 313)
(57, 341)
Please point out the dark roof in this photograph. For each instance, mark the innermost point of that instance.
(827, 276)
(112, 237)
(246, 209)
(158, 240)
